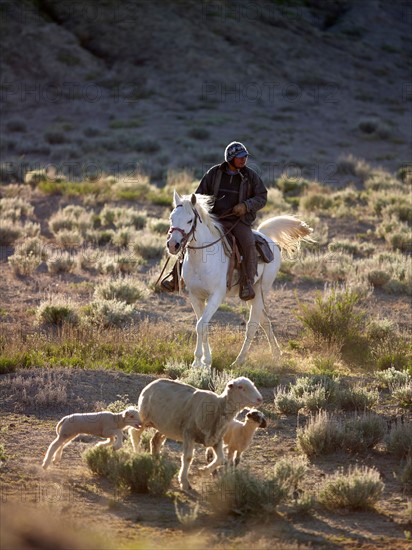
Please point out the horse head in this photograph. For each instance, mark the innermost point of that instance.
(183, 221)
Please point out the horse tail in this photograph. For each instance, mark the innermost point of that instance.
(288, 232)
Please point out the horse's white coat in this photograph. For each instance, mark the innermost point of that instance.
(205, 270)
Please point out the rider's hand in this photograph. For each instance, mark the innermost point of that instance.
(240, 209)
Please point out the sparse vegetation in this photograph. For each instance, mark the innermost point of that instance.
(357, 489)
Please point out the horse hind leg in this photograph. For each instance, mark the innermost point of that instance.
(266, 324)
(251, 326)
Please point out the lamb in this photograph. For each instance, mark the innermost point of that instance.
(181, 412)
(103, 424)
(239, 435)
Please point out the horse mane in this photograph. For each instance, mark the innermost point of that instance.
(203, 206)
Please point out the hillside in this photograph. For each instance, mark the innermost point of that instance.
(149, 86)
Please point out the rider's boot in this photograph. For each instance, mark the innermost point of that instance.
(170, 283)
(246, 291)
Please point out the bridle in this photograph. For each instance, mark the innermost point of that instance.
(186, 236)
(191, 233)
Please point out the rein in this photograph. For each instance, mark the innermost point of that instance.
(186, 236)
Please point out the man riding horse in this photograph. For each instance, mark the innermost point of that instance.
(239, 193)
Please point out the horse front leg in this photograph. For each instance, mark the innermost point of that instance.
(198, 305)
(251, 326)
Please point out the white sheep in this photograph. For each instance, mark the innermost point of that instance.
(184, 413)
(239, 435)
(103, 424)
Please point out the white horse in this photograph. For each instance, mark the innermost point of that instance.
(197, 233)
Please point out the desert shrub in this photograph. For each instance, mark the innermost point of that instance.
(175, 368)
(205, 379)
(57, 311)
(16, 125)
(378, 278)
(392, 377)
(71, 217)
(286, 402)
(239, 492)
(148, 246)
(261, 376)
(9, 232)
(109, 313)
(139, 473)
(33, 245)
(24, 264)
(333, 317)
(33, 177)
(321, 435)
(276, 201)
(124, 237)
(119, 405)
(399, 440)
(134, 187)
(350, 165)
(402, 393)
(63, 263)
(15, 208)
(358, 488)
(363, 432)
(316, 202)
(182, 180)
(291, 186)
(159, 226)
(38, 389)
(125, 290)
(69, 238)
(357, 398)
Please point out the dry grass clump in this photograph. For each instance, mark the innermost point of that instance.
(9, 232)
(69, 238)
(125, 289)
(109, 313)
(72, 217)
(124, 236)
(138, 473)
(239, 492)
(350, 165)
(325, 433)
(399, 440)
(133, 187)
(333, 318)
(123, 217)
(148, 246)
(321, 435)
(56, 311)
(359, 488)
(62, 263)
(183, 181)
(15, 208)
(109, 263)
(24, 264)
(38, 389)
(159, 226)
(352, 247)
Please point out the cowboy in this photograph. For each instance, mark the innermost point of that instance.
(239, 193)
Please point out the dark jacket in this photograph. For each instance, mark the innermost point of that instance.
(252, 191)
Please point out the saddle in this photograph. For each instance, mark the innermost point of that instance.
(264, 253)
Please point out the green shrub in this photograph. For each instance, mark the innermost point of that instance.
(57, 311)
(333, 317)
(239, 492)
(359, 488)
(109, 313)
(357, 398)
(405, 475)
(402, 393)
(314, 202)
(321, 435)
(9, 232)
(24, 264)
(124, 290)
(286, 402)
(362, 432)
(399, 440)
(148, 246)
(139, 473)
(291, 186)
(64, 263)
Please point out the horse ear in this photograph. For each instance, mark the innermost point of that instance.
(176, 198)
(193, 199)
